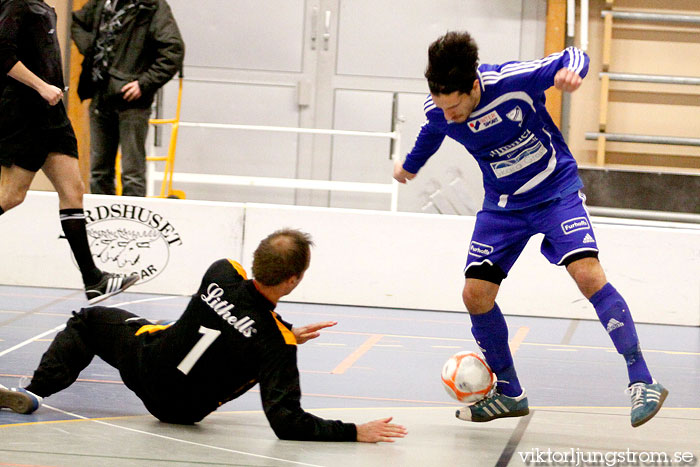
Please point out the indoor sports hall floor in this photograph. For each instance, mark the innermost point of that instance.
(374, 363)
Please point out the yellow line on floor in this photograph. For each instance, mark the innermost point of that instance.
(518, 339)
(593, 347)
(73, 420)
(359, 352)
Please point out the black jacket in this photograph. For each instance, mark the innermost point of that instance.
(28, 35)
(149, 48)
(227, 340)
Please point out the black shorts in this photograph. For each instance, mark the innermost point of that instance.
(30, 148)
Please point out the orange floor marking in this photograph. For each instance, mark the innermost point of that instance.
(518, 339)
(359, 352)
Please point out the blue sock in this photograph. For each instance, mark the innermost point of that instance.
(491, 334)
(615, 316)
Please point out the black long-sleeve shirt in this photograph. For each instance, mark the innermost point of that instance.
(28, 35)
(227, 340)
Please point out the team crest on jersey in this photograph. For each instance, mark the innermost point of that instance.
(515, 115)
(487, 121)
(572, 225)
(479, 249)
(126, 238)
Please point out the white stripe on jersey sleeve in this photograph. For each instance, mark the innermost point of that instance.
(428, 105)
(576, 59)
(576, 63)
(491, 77)
(530, 63)
(581, 60)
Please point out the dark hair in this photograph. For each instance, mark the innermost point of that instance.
(281, 255)
(452, 62)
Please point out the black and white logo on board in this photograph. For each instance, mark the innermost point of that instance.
(126, 238)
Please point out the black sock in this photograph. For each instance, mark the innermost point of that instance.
(73, 223)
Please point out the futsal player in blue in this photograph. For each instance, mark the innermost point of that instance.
(531, 183)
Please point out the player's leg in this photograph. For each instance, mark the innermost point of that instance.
(490, 330)
(615, 316)
(496, 243)
(613, 313)
(133, 129)
(14, 184)
(106, 332)
(571, 243)
(63, 171)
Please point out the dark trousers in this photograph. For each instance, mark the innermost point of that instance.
(111, 127)
(100, 331)
(109, 333)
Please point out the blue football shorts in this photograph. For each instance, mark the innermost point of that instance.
(500, 236)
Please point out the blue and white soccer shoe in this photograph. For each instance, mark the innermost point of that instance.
(647, 399)
(495, 405)
(19, 400)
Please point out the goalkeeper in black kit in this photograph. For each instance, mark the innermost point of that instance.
(227, 340)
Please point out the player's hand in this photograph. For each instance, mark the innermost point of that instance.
(380, 430)
(51, 94)
(311, 331)
(567, 80)
(132, 91)
(401, 175)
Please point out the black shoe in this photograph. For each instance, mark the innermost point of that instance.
(110, 284)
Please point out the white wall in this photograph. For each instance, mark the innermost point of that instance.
(404, 260)
(264, 52)
(361, 257)
(171, 260)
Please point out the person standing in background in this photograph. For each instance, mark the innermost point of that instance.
(131, 49)
(35, 132)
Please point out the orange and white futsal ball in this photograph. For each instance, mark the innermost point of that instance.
(467, 378)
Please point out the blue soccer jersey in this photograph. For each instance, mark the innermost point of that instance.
(522, 154)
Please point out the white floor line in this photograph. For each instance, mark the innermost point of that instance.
(169, 438)
(59, 328)
(32, 339)
(144, 300)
